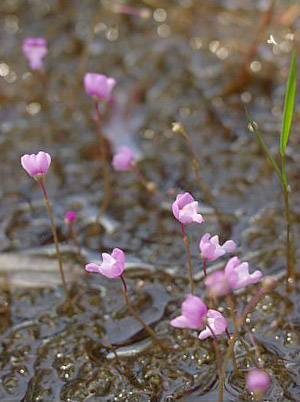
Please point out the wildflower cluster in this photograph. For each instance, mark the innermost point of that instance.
(205, 316)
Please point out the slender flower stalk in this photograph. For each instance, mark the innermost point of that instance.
(179, 128)
(99, 87)
(104, 163)
(136, 315)
(204, 264)
(252, 303)
(231, 304)
(248, 351)
(54, 233)
(269, 283)
(37, 166)
(185, 210)
(70, 218)
(216, 347)
(112, 267)
(189, 260)
(224, 366)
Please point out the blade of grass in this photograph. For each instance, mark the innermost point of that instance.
(288, 105)
(263, 144)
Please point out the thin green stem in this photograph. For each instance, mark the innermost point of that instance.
(54, 233)
(189, 260)
(135, 314)
(263, 144)
(224, 367)
(290, 258)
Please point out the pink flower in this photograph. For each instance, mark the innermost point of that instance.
(123, 159)
(112, 266)
(35, 49)
(211, 249)
(70, 217)
(193, 311)
(217, 284)
(98, 85)
(185, 209)
(238, 274)
(216, 322)
(36, 165)
(257, 381)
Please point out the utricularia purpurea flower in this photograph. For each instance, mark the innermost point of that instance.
(37, 166)
(35, 49)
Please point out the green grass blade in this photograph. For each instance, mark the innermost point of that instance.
(263, 144)
(288, 105)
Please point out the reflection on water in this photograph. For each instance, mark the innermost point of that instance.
(172, 62)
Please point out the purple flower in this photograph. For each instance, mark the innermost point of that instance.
(112, 266)
(185, 209)
(257, 381)
(193, 311)
(70, 217)
(35, 49)
(216, 322)
(211, 249)
(217, 284)
(123, 159)
(36, 165)
(98, 85)
(238, 274)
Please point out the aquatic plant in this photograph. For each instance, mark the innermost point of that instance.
(99, 87)
(185, 210)
(193, 312)
(178, 128)
(112, 267)
(35, 49)
(281, 170)
(211, 249)
(37, 166)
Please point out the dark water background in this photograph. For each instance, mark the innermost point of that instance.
(175, 65)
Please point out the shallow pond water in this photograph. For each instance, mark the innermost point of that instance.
(175, 64)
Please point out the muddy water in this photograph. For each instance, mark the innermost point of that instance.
(173, 65)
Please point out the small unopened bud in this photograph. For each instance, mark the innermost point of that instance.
(145, 13)
(258, 381)
(140, 285)
(269, 283)
(70, 217)
(177, 127)
(151, 187)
